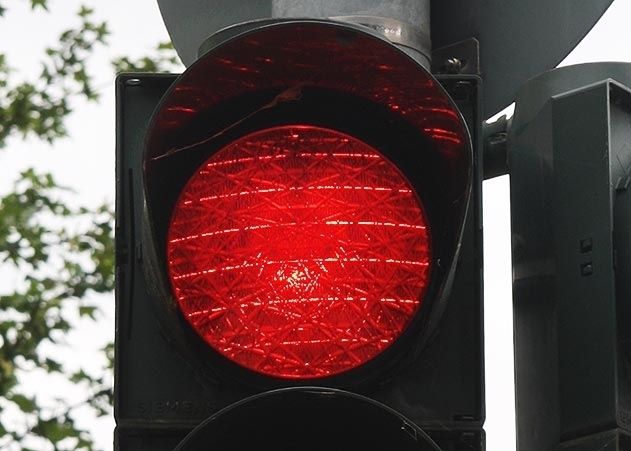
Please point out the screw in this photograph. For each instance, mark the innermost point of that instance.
(453, 66)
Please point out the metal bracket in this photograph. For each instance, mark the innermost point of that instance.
(462, 57)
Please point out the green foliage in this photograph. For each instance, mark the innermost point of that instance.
(164, 59)
(60, 263)
(43, 4)
(59, 254)
(38, 107)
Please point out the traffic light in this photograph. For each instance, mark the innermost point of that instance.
(570, 163)
(299, 247)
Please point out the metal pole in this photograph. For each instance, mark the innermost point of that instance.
(404, 22)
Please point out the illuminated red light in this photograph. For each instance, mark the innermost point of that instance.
(299, 252)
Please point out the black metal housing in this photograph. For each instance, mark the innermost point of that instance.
(570, 160)
(233, 90)
(329, 419)
(397, 141)
(160, 395)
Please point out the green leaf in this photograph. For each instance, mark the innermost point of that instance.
(164, 59)
(55, 430)
(52, 365)
(88, 311)
(39, 3)
(85, 11)
(25, 404)
(80, 376)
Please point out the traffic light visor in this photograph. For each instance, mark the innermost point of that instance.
(309, 419)
(306, 185)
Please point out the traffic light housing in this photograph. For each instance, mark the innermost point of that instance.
(569, 157)
(349, 82)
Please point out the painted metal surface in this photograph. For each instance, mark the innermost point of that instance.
(518, 39)
(569, 160)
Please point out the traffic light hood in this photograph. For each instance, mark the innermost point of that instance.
(324, 74)
(327, 419)
(285, 57)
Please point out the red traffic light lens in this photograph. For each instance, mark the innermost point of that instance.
(299, 252)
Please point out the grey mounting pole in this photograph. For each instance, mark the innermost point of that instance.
(404, 22)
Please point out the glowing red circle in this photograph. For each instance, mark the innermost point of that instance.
(299, 252)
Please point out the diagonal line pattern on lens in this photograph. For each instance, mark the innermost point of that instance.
(299, 252)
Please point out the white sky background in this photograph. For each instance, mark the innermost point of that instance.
(85, 162)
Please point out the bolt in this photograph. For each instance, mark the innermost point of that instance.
(453, 66)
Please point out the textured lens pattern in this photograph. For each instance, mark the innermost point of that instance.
(299, 252)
